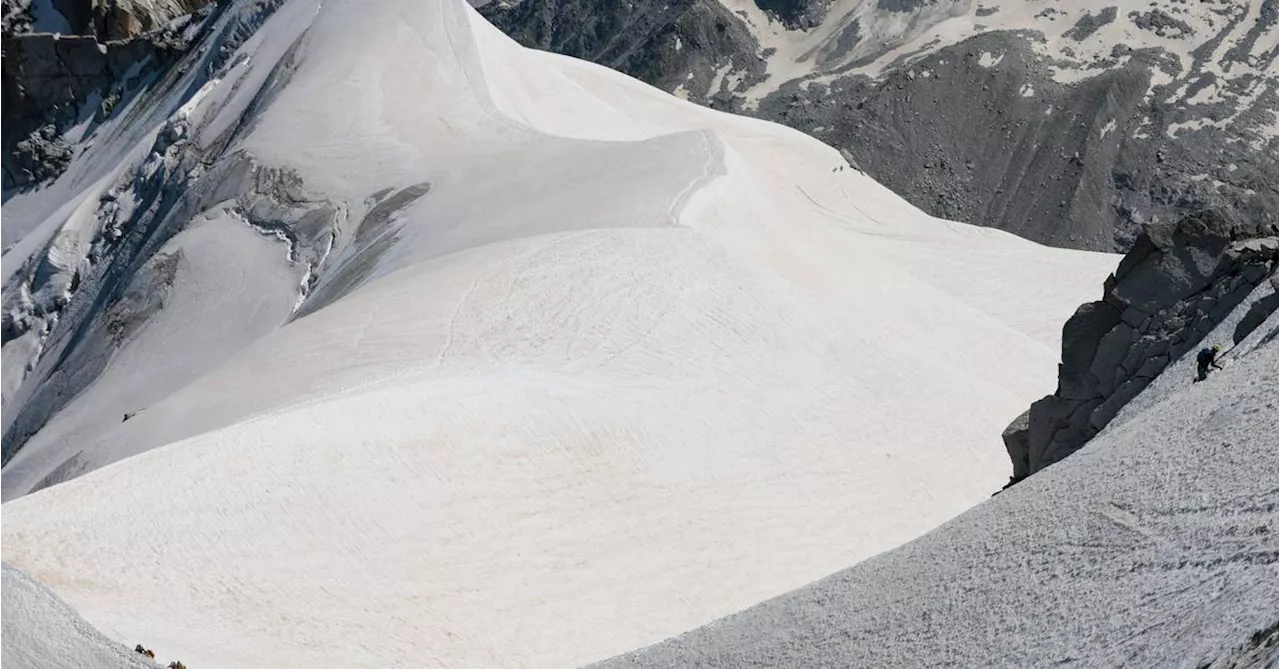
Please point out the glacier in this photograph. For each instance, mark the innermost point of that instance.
(367, 334)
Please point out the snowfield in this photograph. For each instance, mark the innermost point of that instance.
(41, 631)
(567, 366)
(1153, 546)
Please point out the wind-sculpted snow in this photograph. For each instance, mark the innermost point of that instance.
(413, 343)
(1153, 546)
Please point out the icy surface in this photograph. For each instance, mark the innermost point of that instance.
(614, 366)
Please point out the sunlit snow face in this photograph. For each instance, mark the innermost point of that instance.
(605, 342)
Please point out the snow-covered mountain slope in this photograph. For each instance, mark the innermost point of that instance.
(389, 341)
(1071, 123)
(41, 631)
(1154, 546)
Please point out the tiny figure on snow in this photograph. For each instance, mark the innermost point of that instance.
(1206, 358)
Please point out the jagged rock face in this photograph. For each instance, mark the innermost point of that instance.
(123, 19)
(1177, 284)
(107, 20)
(55, 82)
(1069, 125)
(797, 14)
(47, 81)
(1016, 442)
(682, 46)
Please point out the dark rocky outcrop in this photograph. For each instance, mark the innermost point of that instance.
(1004, 145)
(121, 19)
(1178, 282)
(961, 141)
(799, 14)
(106, 20)
(47, 78)
(53, 82)
(677, 45)
(1090, 23)
(1017, 443)
(1161, 23)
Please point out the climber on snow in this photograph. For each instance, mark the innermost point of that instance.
(1206, 358)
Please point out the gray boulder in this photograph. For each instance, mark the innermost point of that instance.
(683, 46)
(1017, 442)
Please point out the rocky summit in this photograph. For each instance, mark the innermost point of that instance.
(1069, 123)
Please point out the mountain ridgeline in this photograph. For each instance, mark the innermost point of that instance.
(590, 367)
(1148, 132)
(1069, 125)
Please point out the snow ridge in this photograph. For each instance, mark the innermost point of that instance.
(570, 348)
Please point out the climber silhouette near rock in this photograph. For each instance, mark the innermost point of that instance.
(1206, 358)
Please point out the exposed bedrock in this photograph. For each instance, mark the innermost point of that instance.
(684, 46)
(1177, 284)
